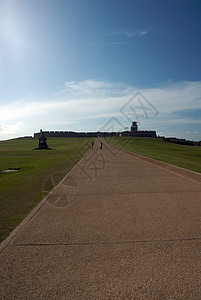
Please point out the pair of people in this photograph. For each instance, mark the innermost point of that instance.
(92, 145)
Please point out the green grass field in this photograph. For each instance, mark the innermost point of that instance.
(188, 157)
(20, 191)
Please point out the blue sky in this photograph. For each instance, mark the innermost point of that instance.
(73, 65)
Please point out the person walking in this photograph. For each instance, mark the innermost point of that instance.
(101, 145)
(92, 145)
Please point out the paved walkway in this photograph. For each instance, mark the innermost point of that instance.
(118, 227)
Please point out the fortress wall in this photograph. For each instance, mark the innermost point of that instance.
(145, 133)
(95, 134)
(66, 134)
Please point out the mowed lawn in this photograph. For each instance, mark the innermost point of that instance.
(20, 191)
(184, 156)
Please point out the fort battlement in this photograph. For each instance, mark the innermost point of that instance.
(133, 132)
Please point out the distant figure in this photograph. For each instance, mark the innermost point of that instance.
(92, 145)
(101, 145)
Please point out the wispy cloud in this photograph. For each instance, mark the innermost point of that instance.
(97, 88)
(131, 33)
(95, 101)
(13, 128)
(176, 96)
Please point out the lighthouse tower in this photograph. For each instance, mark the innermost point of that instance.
(134, 127)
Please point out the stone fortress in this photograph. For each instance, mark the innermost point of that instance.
(133, 132)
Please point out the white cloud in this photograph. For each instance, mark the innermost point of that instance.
(130, 33)
(175, 96)
(97, 88)
(10, 129)
(97, 100)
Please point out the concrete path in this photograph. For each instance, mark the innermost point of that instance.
(120, 226)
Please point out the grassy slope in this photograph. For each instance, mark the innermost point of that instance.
(188, 157)
(20, 191)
